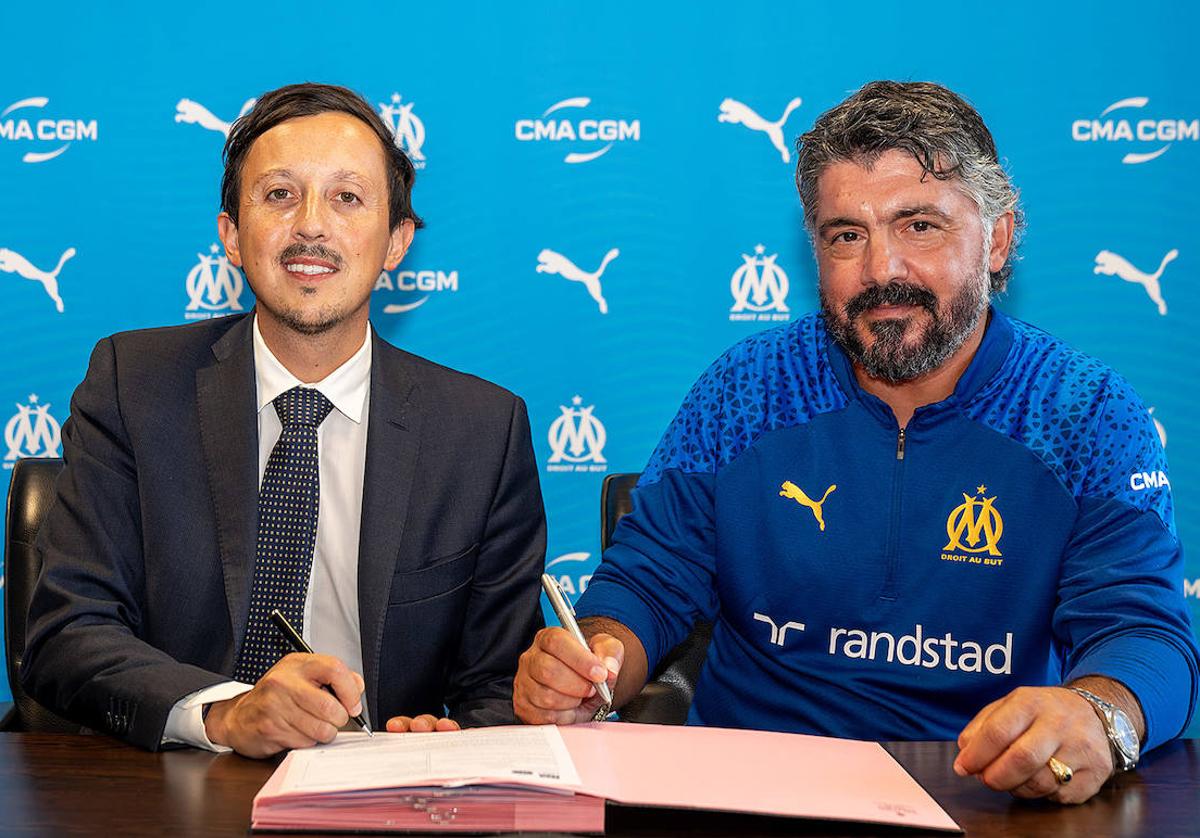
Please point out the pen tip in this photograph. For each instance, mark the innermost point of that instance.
(370, 733)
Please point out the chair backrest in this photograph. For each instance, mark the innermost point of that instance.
(667, 696)
(30, 496)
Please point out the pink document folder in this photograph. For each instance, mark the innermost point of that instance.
(714, 769)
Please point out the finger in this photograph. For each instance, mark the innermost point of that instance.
(424, 723)
(1042, 784)
(1024, 760)
(548, 698)
(559, 643)
(611, 651)
(1000, 729)
(447, 724)
(346, 685)
(399, 724)
(973, 726)
(548, 671)
(310, 700)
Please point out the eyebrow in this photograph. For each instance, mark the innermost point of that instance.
(341, 174)
(903, 212)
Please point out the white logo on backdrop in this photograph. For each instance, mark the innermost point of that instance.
(13, 262)
(1156, 131)
(31, 432)
(550, 262)
(759, 288)
(561, 568)
(213, 286)
(65, 131)
(778, 633)
(409, 283)
(194, 113)
(737, 113)
(407, 129)
(1158, 426)
(578, 438)
(1112, 264)
(564, 129)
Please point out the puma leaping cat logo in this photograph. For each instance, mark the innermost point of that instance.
(791, 490)
(734, 111)
(13, 262)
(1110, 263)
(550, 262)
(193, 112)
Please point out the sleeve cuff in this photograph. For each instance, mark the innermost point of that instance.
(185, 722)
(1158, 675)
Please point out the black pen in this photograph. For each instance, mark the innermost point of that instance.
(297, 643)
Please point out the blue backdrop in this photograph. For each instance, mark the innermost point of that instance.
(559, 151)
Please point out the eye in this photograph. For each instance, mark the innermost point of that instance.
(278, 194)
(845, 236)
(347, 197)
(921, 226)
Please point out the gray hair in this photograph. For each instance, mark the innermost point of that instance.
(932, 123)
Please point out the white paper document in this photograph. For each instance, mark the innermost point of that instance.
(355, 761)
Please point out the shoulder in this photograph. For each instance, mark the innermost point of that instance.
(172, 345)
(440, 384)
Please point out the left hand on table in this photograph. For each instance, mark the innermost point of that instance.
(1008, 743)
(421, 724)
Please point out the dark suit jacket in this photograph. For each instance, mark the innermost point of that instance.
(149, 552)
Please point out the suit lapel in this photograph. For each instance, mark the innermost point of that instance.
(393, 441)
(227, 404)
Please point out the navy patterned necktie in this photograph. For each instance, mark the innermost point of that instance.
(287, 531)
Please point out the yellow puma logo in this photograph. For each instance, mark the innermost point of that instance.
(791, 490)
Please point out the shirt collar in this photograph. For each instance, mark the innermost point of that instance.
(346, 387)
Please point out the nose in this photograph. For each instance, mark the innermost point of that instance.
(884, 260)
(310, 221)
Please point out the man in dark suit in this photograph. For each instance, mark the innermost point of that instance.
(291, 459)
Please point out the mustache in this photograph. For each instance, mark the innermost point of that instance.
(296, 250)
(892, 294)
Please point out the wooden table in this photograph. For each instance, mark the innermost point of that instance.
(90, 785)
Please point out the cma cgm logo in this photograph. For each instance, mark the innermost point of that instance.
(563, 122)
(1125, 122)
(31, 432)
(412, 289)
(25, 121)
(566, 569)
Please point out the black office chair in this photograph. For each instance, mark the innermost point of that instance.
(30, 496)
(667, 696)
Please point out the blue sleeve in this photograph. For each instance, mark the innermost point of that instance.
(1121, 611)
(657, 577)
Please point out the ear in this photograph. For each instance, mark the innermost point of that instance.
(227, 230)
(399, 242)
(1002, 237)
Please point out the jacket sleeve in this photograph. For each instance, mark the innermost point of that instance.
(503, 612)
(658, 576)
(85, 657)
(1121, 611)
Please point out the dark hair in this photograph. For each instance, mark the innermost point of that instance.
(309, 99)
(935, 125)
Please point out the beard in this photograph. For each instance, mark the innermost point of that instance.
(307, 321)
(890, 356)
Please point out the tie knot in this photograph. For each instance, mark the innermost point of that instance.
(302, 406)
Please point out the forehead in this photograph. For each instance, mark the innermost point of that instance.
(322, 143)
(892, 182)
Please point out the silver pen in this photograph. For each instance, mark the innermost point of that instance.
(566, 617)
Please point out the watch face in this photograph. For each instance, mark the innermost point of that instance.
(1127, 739)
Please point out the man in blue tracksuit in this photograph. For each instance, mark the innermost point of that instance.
(909, 514)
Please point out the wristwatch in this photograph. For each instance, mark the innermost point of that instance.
(1122, 738)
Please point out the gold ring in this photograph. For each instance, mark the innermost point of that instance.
(1062, 772)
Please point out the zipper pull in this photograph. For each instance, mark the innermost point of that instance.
(900, 445)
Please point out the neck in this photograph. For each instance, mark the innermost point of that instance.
(312, 357)
(904, 398)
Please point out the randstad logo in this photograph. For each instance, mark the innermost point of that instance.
(978, 523)
(194, 113)
(759, 288)
(408, 130)
(15, 263)
(567, 569)
(791, 490)
(1113, 264)
(409, 290)
(31, 432)
(577, 440)
(1160, 132)
(570, 126)
(214, 287)
(24, 121)
(737, 113)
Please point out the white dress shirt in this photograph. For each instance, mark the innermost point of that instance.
(331, 604)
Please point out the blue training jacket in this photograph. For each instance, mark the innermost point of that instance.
(873, 583)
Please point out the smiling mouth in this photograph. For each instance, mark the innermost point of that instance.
(309, 267)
